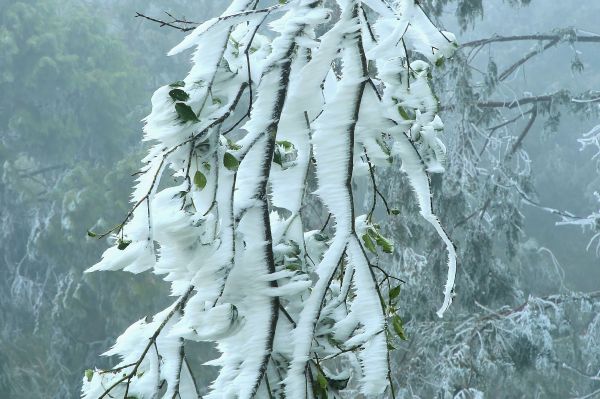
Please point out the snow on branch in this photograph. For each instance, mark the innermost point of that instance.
(219, 207)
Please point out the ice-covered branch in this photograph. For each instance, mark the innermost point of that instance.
(269, 104)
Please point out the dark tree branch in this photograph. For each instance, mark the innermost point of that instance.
(517, 144)
(171, 24)
(189, 25)
(493, 129)
(526, 58)
(540, 37)
(526, 100)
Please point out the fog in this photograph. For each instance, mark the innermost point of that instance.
(76, 78)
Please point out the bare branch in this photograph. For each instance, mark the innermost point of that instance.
(189, 26)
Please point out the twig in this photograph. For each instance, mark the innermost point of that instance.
(326, 223)
(166, 23)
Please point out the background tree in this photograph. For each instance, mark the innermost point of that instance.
(516, 322)
(73, 92)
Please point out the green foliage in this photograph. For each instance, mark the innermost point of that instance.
(373, 237)
(179, 95)
(185, 113)
(199, 180)
(179, 83)
(285, 154)
(122, 244)
(230, 161)
(394, 293)
(398, 326)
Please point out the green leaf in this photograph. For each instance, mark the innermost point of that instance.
(394, 292)
(285, 144)
(89, 374)
(179, 95)
(294, 266)
(320, 237)
(403, 113)
(236, 44)
(185, 113)
(199, 180)
(398, 327)
(385, 244)
(369, 243)
(384, 147)
(230, 161)
(206, 165)
(277, 158)
(285, 154)
(338, 384)
(440, 62)
(232, 145)
(179, 83)
(320, 389)
(122, 244)
(395, 212)
(91, 234)
(322, 380)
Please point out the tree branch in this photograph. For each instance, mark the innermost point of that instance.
(171, 24)
(526, 100)
(517, 144)
(538, 37)
(526, 58)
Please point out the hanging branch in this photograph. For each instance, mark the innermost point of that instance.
(230, 223)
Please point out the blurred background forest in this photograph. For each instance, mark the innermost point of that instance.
(76, 78)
